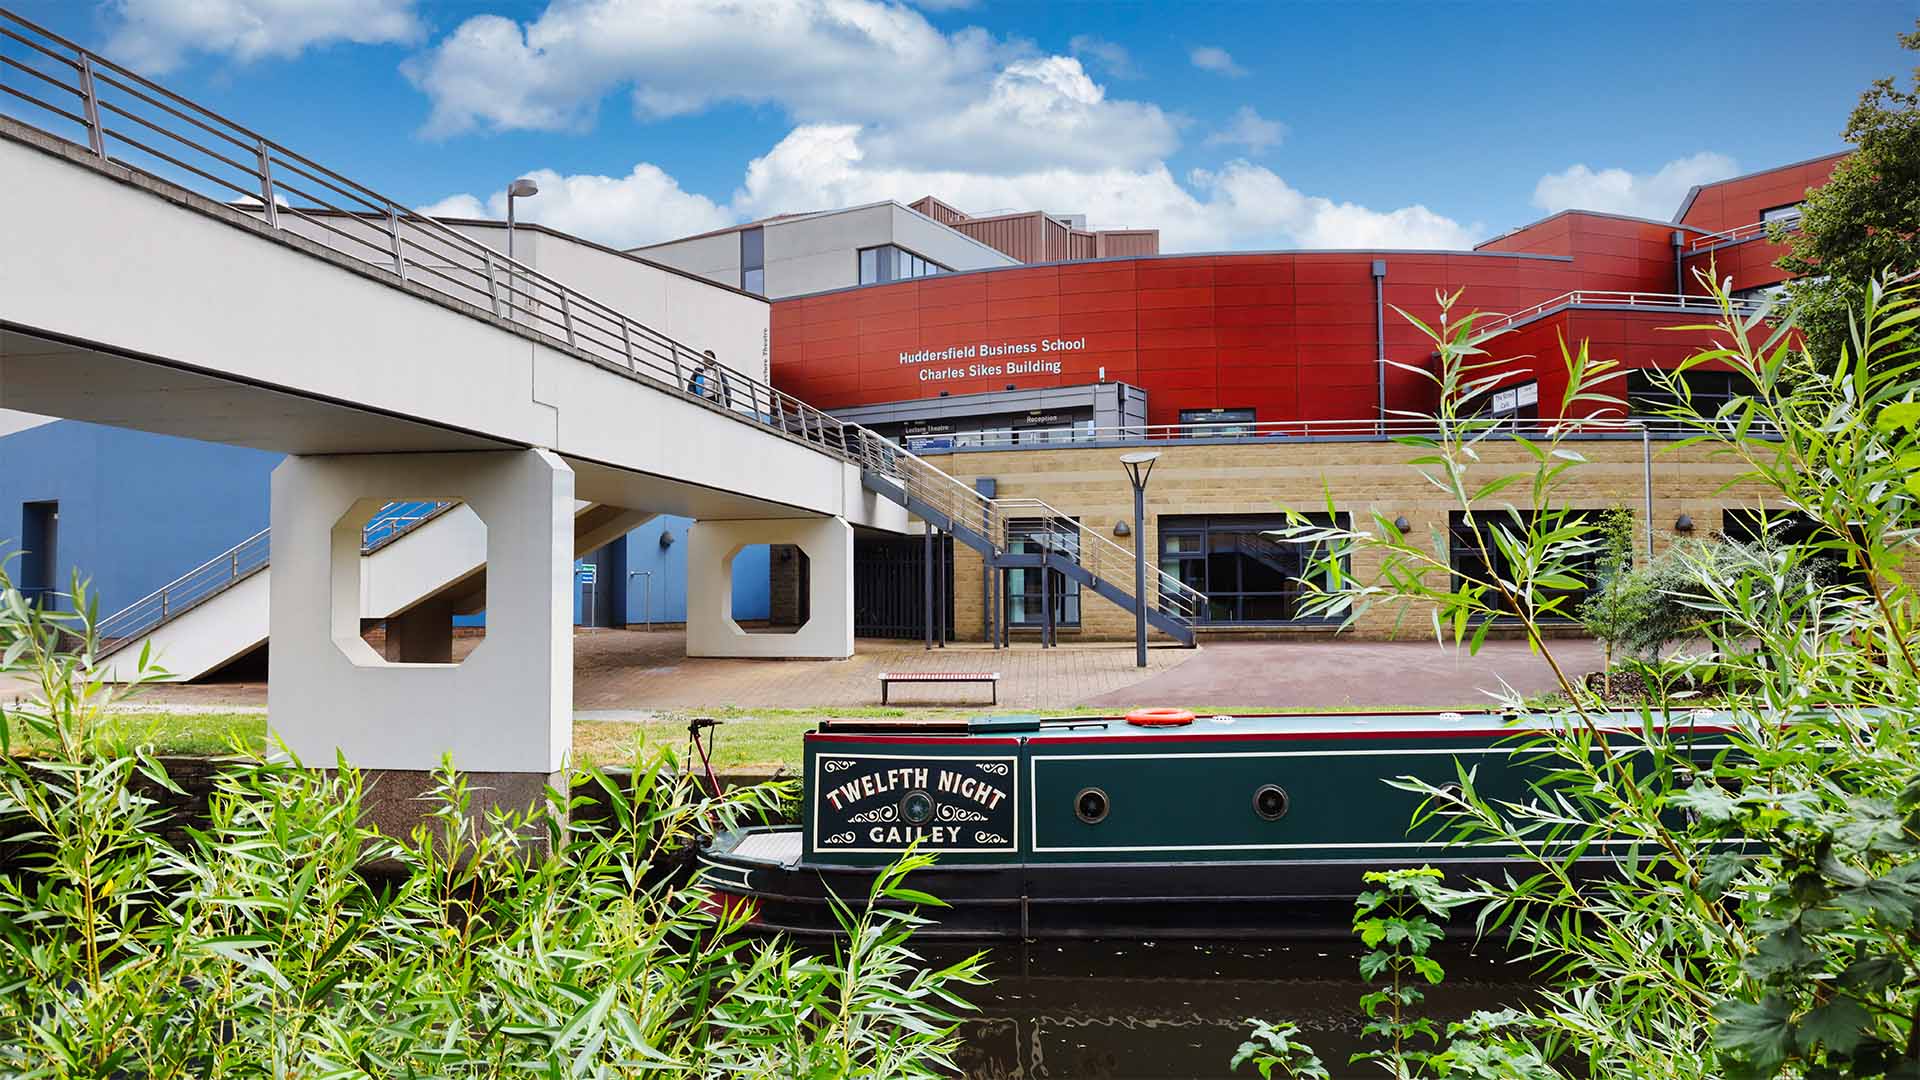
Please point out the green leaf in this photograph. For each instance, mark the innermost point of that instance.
(1900, 414)
(1762, 1032)
(1839, 1025)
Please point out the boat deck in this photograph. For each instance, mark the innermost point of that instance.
(1376, 725)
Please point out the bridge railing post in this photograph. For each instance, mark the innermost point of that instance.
(90, 100)
(393, 237)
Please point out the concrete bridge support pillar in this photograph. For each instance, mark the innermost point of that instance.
(505, 713)
(826, 546)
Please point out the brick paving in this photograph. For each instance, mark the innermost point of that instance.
(631, 670)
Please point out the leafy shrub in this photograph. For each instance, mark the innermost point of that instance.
(288, 938)
(1760, 913)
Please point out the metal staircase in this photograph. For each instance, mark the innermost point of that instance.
(1081, 554)
(237, 564)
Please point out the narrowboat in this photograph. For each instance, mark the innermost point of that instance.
(1157, 824)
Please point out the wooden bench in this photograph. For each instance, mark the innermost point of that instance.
(888, 678)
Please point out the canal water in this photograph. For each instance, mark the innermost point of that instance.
(1097, 1010)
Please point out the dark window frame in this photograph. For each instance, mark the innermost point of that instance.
(1063, 590)
(1464, 552)
(1202, 565)
(894, 263)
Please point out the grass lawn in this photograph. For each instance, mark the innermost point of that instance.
(750, 740)
(753, 741)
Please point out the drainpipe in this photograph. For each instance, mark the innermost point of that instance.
(1380, 338)
(1679, 263)
(1646, 479)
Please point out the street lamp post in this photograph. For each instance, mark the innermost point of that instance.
(1139, 467)
(522, 188)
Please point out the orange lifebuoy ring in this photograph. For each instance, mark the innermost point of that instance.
(1159, 717)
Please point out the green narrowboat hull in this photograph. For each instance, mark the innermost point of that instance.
(1227, 825)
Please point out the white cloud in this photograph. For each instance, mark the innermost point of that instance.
(923, 96)
(819, 166)
(815, 58)
(1251, 130)
(1617, 191)
(1038, 112)
(155, 36)
(642, 207)
(1113, 57)
(1215, 59)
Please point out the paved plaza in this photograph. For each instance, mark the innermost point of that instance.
(621, 670)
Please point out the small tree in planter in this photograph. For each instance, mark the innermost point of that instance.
(1618, 604)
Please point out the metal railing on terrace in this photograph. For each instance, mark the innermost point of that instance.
(1282, 430)
(1613, 298)
(1749, 231)
(72, 93)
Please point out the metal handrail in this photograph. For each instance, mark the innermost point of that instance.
(1273, 430)
(1738, 233)
(989, 517)
(119, 115)
(241, 561)
(1107, 560)
(210, 578)
(1611, 298)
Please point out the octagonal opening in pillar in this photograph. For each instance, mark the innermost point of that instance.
(416, 570)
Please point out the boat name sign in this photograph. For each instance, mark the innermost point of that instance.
(884, 803)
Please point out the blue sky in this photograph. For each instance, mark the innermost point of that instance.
(1227, 125)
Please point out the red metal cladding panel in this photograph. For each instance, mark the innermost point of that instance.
(1740, 201)
(1291, 335)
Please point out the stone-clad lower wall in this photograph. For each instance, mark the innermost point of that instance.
(1360, 477)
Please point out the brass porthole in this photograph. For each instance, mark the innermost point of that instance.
(1270, 802)
(1090, 805)
(916, 807)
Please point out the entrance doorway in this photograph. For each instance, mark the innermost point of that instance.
(889, 589)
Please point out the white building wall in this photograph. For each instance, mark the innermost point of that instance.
(716, 258)
(950, 248)
(732, 324)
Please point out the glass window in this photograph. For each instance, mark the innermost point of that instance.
(890, 263)
(1025, 604)
(1474, 552)
(753, 261)
(1247, 572)
(1647, 394)
(1790, 212)
(1204, 423)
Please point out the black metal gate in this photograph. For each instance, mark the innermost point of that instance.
(889, 589)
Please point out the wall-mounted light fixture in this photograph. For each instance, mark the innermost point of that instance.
(666, 538)
(1120, 528)
(945, 393)
(1402, 523)
(1009, 386)
(1683, 523)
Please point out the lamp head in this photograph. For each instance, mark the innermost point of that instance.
(1139, 465)
(522, 188)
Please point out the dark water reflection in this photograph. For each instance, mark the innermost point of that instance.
(1100, 1010)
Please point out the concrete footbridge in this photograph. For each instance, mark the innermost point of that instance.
(169, 270)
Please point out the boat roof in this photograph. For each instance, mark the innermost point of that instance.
(1037, 727)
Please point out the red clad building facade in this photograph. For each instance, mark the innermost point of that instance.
(1285, 336)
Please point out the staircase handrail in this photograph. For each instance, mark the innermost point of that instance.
(186, 143)
(1107, 560)
(240, 562)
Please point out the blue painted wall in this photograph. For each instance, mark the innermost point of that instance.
(668, 566)
(136, 510)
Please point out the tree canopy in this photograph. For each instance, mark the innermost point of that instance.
(1865, 222)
